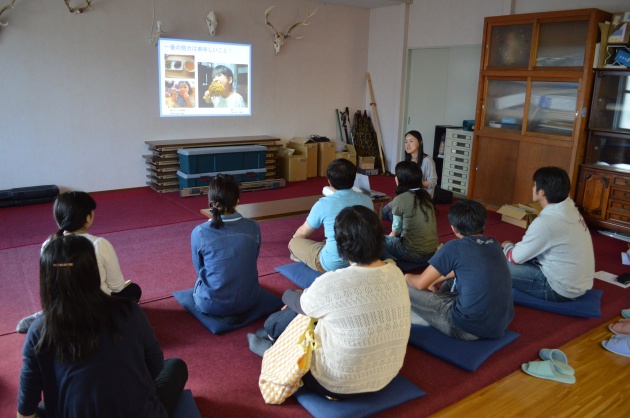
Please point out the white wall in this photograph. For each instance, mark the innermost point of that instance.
(529, 6)
(386, 63)
(442, 89)
(80, 92)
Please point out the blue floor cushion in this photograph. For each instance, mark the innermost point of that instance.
(299, 273)
(586, 306)
(267, 304)
(186, 406)
(399, 390)
(468, 355)
(407, 266)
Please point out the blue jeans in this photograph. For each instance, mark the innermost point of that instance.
(529, 279)
(386, 213)
(395, 248)
(435, 308)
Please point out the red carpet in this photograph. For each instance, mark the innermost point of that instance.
(151, 234)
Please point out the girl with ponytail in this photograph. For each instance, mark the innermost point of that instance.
(414, 229)
(225, 255)
(74, 214)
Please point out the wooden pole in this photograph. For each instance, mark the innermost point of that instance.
(376, 125)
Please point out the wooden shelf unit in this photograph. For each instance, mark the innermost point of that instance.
(535, 87)
(163, 162)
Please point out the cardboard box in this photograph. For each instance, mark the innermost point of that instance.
(367, 163)
(306, 147)
(325, 155)
(349, 154)
(292, 167)
(519, 214)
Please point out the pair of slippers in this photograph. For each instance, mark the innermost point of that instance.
(618, 344)
(620, 328)
(554, 366)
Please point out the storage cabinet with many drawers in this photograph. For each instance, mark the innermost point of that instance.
(457, 157)
(604, 198)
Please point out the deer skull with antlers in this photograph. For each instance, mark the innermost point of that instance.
(279, 37)
(4, 9)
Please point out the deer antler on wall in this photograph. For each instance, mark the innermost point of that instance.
(279, 37)
(4, 9)
(88, 5)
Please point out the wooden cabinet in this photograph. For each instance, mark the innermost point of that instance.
(604, 198)
(604, 186)
(534, 93)
(593, 193)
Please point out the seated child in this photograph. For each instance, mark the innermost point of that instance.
(74, 214)
(466, 291)
(414, 230)
(225, 255)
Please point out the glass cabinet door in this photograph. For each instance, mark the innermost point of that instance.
(505, 104)
(608, 149)
(611, 102)
(552, 107)
(561, 44)
(510, 46)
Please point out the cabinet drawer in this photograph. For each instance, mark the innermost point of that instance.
(455, 159)
(446, 181)
(458, 143)
(619, 206)
(619, 194)
(456, 189)
(450, 165)
(622, 181)
(457, 151)
(463, 175)
(618, 216)
(455, 134)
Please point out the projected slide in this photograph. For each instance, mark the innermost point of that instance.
(199, 78)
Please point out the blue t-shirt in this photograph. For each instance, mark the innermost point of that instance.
(225, 260)
(484, 305)
(324, 212)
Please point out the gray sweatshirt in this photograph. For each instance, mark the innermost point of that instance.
(561, 241)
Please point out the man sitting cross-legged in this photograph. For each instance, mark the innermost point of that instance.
(554, 261)
(466, 291)
(323, 256)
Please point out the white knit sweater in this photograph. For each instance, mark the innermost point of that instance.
(363, 327)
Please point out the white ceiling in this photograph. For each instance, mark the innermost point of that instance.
(367, 4)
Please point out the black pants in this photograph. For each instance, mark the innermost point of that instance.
(169, 385)
(131, 291)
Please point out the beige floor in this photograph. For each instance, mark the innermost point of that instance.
(601, 389)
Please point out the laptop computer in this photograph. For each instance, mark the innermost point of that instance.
(362, 184)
